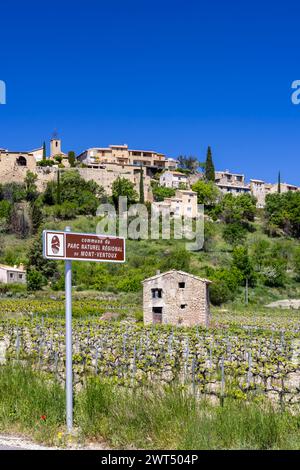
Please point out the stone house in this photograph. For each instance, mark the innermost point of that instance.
(122, 155)
(173, 179)
(229, 182)
(9, 274)
(260, 190)
(176, 298)
(183, 204)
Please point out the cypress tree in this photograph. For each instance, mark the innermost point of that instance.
(58, 188)
(142, 196)
(44, 151)
(209, 166)
(71, 158)
(279, 183)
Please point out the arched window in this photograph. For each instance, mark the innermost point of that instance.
(21, 161)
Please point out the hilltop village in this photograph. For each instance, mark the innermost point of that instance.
(105, 164)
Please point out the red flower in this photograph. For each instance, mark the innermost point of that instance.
(43, 417)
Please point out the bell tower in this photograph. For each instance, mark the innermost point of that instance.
(55, 145)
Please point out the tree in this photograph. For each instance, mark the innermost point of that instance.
(177, 258)
(71, 158)
(36, 216)
(58, 198)
(233, 209)
(209, 167)
(124, 187)
(35, 280)
(13, 192)
(234, 233)
(189, 163)
(35, 260)
(279, 184)
(142, 197)
(207, 192)
(283, 211)
(44, 152)
(161, 192)
(224, 285)
(74, 193)
(30, 186)
(241, 261)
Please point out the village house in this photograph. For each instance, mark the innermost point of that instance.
(229, 182)
(183, 204)
(9, 274)
(173, 179)
(122, 155)
(260, 189)
(176, 298)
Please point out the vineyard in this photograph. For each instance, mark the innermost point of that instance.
(244, 355)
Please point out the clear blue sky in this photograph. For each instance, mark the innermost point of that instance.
(173, 76)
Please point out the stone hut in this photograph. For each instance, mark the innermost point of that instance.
(176, 298)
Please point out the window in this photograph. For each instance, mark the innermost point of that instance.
(182, 306)
(11, 275)
(20, 276)
(21, 161)
(157, 314)
(156, 293)
(181, 285)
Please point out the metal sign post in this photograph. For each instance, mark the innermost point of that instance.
(68, 246)
(69, 352)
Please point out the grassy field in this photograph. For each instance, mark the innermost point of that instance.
(167, 418)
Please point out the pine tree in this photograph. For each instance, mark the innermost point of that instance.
(209, 166)
(44, 151)
(142, 196)
(279, 183)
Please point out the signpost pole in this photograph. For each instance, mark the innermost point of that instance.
(69, 372)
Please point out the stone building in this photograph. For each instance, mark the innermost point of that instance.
(9, 274)
(229, 182)
(122, 155)
(14, 165)
(183, 204)
(176, 298)
(173, 179)
(260, 190)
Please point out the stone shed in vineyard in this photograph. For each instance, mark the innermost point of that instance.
(176, 298)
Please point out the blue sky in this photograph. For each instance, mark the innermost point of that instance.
(172, 76)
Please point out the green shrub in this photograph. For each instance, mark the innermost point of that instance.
(35, 280)
(219, 292)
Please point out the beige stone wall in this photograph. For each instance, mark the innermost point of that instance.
(11, 171)
(194, 296)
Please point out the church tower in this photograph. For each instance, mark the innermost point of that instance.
(55, 147)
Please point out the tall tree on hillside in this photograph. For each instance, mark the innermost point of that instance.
(142, 196)
(209, 167)
(58, 193)
(279, 183)
(71, 158)
(44, 151)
